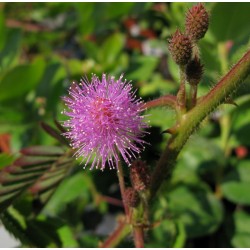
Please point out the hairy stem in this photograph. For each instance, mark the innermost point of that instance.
(138, 236)
(167, 100)
(117, 236)
(138, 223)
(181, 95)
(191, 120)
(193, 95)
(122, 187)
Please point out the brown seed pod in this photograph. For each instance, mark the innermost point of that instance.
(197, 21)
(180, 48)
(131, 196)
(139, 175)
(194, 71)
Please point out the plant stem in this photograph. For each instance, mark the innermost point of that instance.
(193, 95)
(190, 121)
(138, 222)
(223, 53)
(110, 200)
(117, 236)
(122, 187)
(138, 236)
(196, 50)
(167, 100)
(181, 95)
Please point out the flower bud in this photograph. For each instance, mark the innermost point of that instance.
(180, 48)
(194, 71)
(139, 175)
(131, 196)
(197, 21)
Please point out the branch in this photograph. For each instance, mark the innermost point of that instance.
(138, 236)
(191, 120)
(118, 235)
(167, 100)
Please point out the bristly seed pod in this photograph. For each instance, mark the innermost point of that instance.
(197, 21)
(194, 71)
(131, 197)
(180, 48)
(139, 175)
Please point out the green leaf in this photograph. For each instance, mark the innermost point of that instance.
(181, 236)
(197, 208)
(163, 234)
(174, 70)
(200, 158)
(157, 86)
(230, 21)
(3, 30)
(241, 237)
(75, 186)
(15, 228)
(111, 48)
(67, 237)
(11, 48)
(26, 161)
(41, 174)
(5, 160)
(115, 10)
(47, 231)
(157, 119)
(143, 67)
(85, 27)
(42, 150)
(20, 80)
(240, 122)
(235, 186)
(54, 133)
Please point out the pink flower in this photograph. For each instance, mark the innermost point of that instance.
(104, 120)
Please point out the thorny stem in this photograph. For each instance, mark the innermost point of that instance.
(191, 120)
(122, 187)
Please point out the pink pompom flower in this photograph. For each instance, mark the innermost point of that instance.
(104, 121)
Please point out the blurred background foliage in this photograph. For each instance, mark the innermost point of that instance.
(46, 198)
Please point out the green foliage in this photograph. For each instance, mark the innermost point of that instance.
(235, 186)
(20, 80)
(46, 198)
(233, 24)
(202, 217)
(240, 238)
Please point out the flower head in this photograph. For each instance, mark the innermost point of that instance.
(104, 120)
